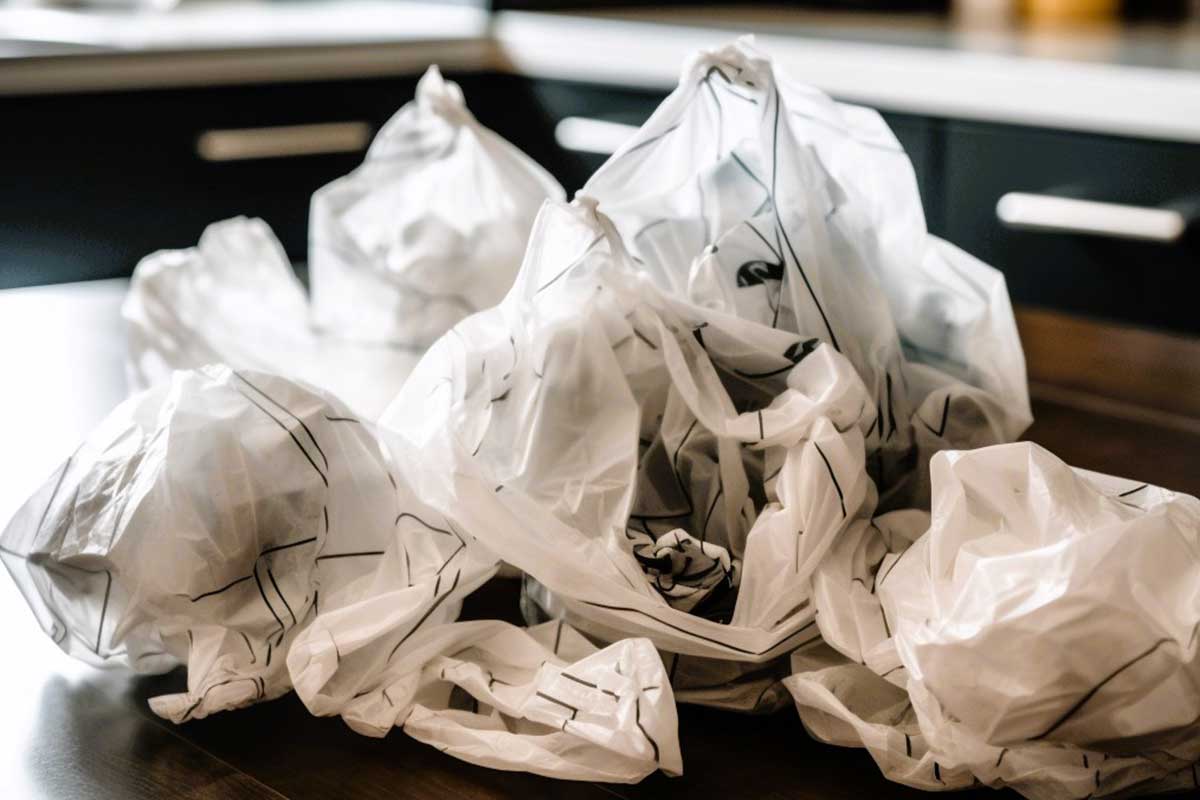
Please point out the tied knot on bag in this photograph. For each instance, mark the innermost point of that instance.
(737, 62)
(442, 97)
(588, 207)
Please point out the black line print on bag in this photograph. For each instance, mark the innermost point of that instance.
(575, 261)
(941, 429)
(236, 581)
(651, 140)
(285, 410)
(637, 719)
(286, 605)
(890, 410)
(795, 353)
(59, 630)
(438, 600)
(832, 477)
(727, 85)
(574, 711)
(703, 638)
(757, 272)
(1070, 712)
(783, 231)
(262, 593)
(289, 432)
(582, 682)
(259, 691)
(720, 119)
(358, 554)
(767, 199)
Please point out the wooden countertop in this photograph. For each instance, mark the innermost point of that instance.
(69, 730)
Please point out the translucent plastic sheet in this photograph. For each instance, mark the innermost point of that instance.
(429, 229)
(234, 299)
(1043, 634)
(259, 533)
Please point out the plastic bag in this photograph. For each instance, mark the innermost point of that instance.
(542, 700)
(234, 299)
(259, 533)
(429, 229)
(753, 194)
(659, 424)
(1043, 634)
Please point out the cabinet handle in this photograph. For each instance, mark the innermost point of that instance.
(283, 141)
(586, 135)
(1044, 212)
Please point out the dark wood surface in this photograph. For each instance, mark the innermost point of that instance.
(68, 730)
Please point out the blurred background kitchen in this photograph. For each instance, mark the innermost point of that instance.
(1058, 140)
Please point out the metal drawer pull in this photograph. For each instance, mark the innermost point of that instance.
(1043, 212)
(283, 141)
(586, 135)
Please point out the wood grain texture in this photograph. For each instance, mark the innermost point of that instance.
(1128, 448)
(280, 744)
(1133, 365)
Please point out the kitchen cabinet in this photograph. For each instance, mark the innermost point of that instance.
(1149, 283)
(96, 181)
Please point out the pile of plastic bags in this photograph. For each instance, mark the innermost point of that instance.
(431, 228)
(740, 422)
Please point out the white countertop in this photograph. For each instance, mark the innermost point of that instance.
(1088, 83)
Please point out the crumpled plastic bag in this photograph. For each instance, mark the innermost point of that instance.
(753, 194)
(1044, 634)
(258, 532)
(429, 229)
(672, 417)
(542, 700)
(234, 299)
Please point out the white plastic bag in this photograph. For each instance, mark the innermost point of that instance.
(259, 533)
(234, 299)
(429, 229)
(1044, 634)
(542, 700)
(756, 195)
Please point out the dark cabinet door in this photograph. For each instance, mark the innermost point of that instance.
(1145, 282)
(93, 182)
